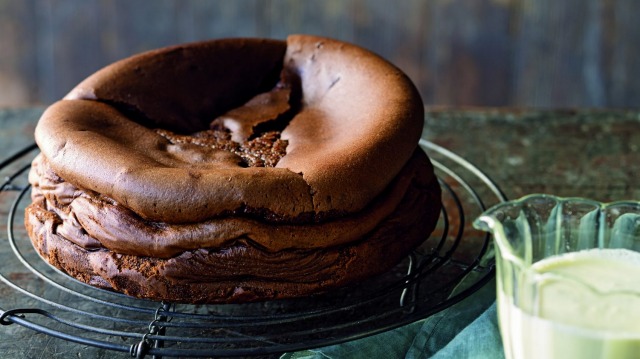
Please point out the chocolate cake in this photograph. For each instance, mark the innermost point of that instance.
(233, 170)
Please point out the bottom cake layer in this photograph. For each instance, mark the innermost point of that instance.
(242, 272)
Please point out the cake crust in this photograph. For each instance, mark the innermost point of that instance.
(358, 124)
(233, 170)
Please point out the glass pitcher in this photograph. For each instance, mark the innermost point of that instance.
(568, 277)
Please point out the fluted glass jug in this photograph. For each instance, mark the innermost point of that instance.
(568, 277)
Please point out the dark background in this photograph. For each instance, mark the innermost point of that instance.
(525, 53)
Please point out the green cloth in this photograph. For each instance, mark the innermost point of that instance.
(468, 329)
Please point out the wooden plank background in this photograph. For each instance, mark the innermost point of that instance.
(532, 53)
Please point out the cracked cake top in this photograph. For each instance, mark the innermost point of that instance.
(190, 132)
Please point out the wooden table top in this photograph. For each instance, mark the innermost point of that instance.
(585, 153)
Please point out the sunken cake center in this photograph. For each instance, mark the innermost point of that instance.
(251, 131)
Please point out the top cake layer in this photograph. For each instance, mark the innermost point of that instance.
(350, 122)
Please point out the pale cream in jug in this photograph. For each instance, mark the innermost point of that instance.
(587, 305)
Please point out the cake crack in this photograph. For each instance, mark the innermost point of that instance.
(253, 130)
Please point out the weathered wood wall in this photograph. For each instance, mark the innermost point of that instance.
(542, 53)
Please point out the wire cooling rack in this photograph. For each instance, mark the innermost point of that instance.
(453, 263)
